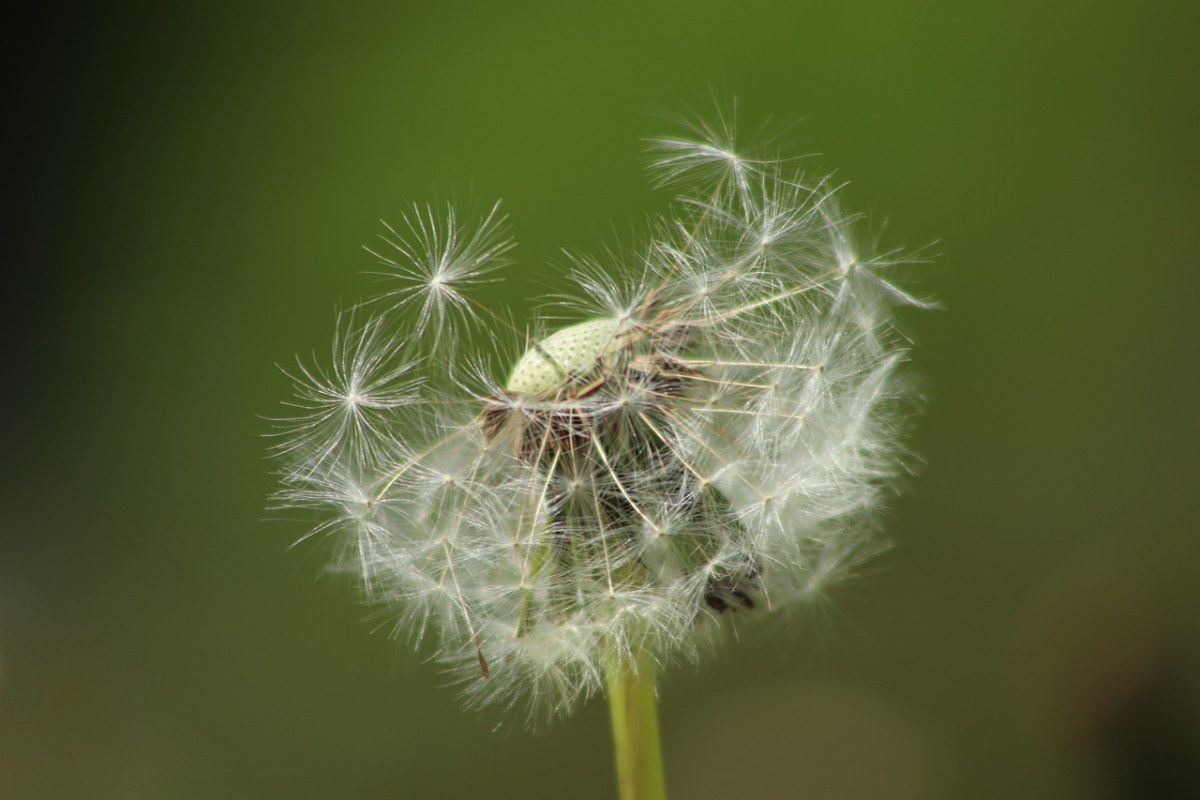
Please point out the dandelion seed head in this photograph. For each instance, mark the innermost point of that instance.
(711, 436)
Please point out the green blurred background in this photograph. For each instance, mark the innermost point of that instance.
(195, 185)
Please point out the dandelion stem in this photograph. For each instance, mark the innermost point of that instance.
(633, 706)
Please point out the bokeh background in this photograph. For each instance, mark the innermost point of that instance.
(194, 185)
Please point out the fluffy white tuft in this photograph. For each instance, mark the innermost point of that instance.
(714, 437)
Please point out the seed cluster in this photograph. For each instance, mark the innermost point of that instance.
(714, 436)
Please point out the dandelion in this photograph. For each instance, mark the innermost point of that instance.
(710, 436)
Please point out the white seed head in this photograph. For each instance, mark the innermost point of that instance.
(713, 439)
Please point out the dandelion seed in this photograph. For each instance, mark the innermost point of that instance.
(436, 260)
(343, 412)
(712, 438)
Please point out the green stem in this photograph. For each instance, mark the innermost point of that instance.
(634, 710)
